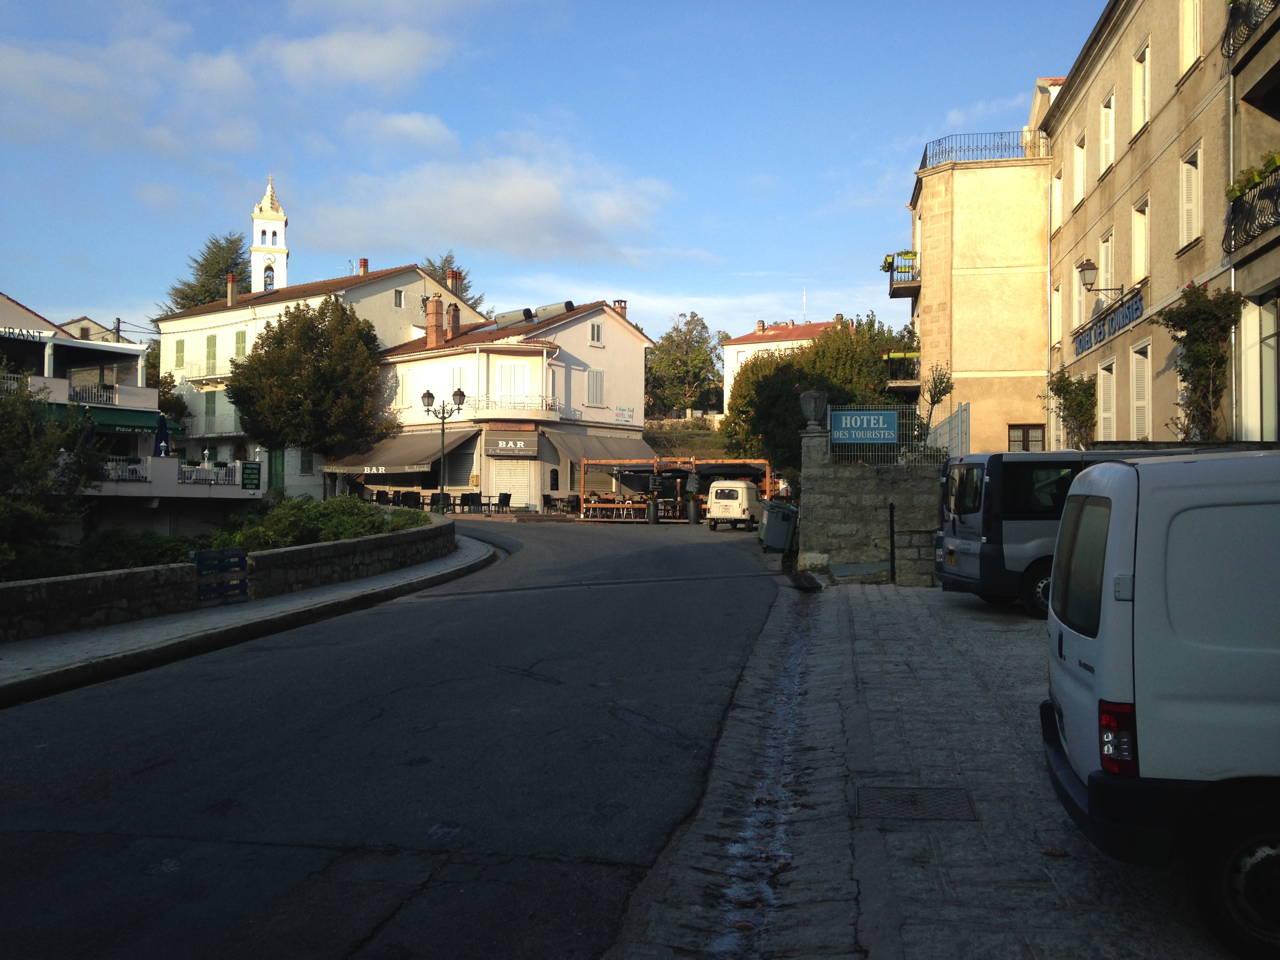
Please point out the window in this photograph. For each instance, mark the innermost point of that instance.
(554, 392)
(1107, 401)
(264, 238)
(595, 388)
(1055, 316)
(1077, 171)
(399, 299)
(1106, 264)
(1077, 298)
(1035, 491)
(210, 408)
(269, 278)
(555, 479)
(1107, 134)
(179, 354)
(1140, 381)
(1140, 241)
(1189, 198)
(597, 332)
(726, 493)
(273, 238)
(242, 338)
(306, 462)
(1142, 86)
(1026, 437)
(1055, 202)
(84, 333)
(1188, 34)
(1076, 593)
(573, 476)
(964, 490)
(513, 380)
(210, 354)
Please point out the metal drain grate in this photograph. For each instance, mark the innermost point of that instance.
(915, 803)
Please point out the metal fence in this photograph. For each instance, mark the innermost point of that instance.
(968, 147)
(1244, 17)
(952, 433)
(883, 434)
(1252, 214)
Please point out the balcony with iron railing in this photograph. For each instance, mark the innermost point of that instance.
(195, 372)
(903, 370)
(903, 269)
(1254, 213)
(1244, 17)
(984, 147)
(509, 406)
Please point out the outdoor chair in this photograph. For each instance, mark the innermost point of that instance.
(382, 498)
(571, 503)
(548, 503)
(411, 499)
(504, 503)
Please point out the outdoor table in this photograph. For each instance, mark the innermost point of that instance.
(621, 510)
(489, 501)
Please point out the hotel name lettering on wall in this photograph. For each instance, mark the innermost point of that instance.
(1109, 324)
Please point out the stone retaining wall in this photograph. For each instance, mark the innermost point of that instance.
(35, 608)
(272, 572)
(844, 515)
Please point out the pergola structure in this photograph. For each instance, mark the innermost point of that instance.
(690, 465)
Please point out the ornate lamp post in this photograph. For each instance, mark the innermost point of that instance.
(443, 411)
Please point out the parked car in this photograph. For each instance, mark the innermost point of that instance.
(734, 502)
(998, 519)
(1162, 727)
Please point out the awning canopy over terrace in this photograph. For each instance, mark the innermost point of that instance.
(406, 453)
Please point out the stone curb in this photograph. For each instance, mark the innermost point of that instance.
(86, 673)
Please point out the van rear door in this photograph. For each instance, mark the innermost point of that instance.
(1091, 609)
(962, 519)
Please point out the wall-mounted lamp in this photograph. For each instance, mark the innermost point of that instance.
(1089, 276)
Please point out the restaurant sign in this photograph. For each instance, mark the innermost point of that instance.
(1109, 324)
(19, 333)
(864, 426)
(510, 444)
(250, 475)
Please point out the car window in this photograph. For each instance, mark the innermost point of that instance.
(1035, 491)
(723, 494)
(1076, 591)
(968, 493)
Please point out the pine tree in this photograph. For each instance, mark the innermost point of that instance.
(438, 270)
(220, 255)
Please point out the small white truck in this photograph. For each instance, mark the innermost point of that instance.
(1162, 727)
(734, 502)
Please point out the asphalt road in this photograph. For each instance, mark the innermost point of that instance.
(485, 769)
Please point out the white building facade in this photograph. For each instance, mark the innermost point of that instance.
(771, 338)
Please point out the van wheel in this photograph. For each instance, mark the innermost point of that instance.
(751, 525)
(1034, 593)
(713, 524)
(1240, 885)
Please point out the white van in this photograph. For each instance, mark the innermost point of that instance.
(1162, 727)
(734, 502)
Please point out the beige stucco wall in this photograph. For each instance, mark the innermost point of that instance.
(1185, 110)
(982, 309)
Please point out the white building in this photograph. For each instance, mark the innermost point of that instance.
(544, 391)
(197, 345)
(771, 338)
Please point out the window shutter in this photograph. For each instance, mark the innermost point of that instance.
(1188, 223)
(595, 387)
(1107, 403)
(1141, 395)
(180, 354)
(1108, 134)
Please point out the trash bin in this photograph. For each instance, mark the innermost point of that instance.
(778, 527)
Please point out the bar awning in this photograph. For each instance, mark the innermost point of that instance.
(115, 420)
(582, 446)
(407, 453)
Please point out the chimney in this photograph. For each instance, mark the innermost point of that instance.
(759, 326)
(620, 306)
(453, 321)
(232, 293)
(453, 279)
(364, 266)
(435, 321)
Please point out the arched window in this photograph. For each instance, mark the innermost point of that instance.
(555, 478)
(269, 278)
(264, 238)
(273, 238)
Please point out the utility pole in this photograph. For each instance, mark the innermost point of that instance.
(117, 329)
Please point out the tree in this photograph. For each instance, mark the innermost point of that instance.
(1074, 401)
(47, 457)
(683, 370)
(171, 403)
(220, 255)
(313, 380)
(438, 270)
(1201, 324)
(937, 388)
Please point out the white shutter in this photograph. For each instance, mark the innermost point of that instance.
(1107, 134)
(595, 387)
(1141, 394)
(1107, 403)
(1190, 200)
(512, 476)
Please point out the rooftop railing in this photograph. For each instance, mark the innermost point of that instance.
(1253, 213)
(1243, 18)
(970, 147)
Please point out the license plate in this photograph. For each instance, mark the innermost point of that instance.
(937, 555)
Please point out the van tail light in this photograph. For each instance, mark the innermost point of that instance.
(1118, 738)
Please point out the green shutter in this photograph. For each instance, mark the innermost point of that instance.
(211, 354)
(210, 407)
(180, 354)
(240, 343)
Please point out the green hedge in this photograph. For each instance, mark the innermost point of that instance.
(301, 520)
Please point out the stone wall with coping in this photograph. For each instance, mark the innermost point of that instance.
(36, 608)
(273, 572)
(844, 514)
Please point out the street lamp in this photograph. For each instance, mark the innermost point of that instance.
(443, 411)
(1089, 276)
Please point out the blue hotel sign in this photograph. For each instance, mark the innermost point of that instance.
(1109, 324)
(864, 426)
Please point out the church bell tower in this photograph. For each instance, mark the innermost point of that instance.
(268, 252)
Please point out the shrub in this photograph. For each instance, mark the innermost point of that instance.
(300, 520)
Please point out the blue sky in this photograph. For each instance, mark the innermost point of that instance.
(717, 156)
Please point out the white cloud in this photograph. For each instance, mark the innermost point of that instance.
(967, 116)
(218, 75)
(508, 204)
(383, 58)
(408, 129)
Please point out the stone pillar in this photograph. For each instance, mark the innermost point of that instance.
(815, 462)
